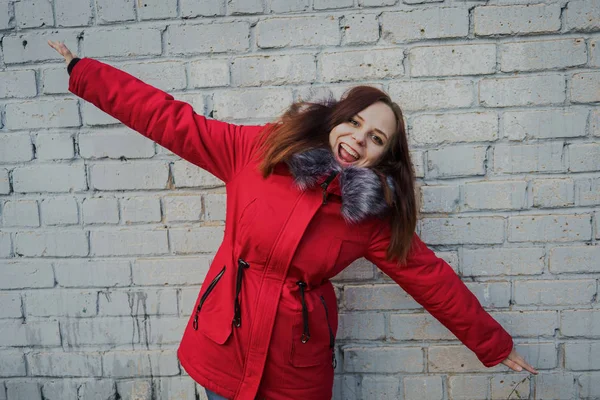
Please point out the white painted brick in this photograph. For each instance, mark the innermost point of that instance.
(61, 210)
(115, 11)
(595, 122)
(553, 193)
(332, 4)
(380, 387)
(137, 302)
(58, 113)
(97, 389)
(187, 300)
(31, 333)
(184, 207)
(54, 147)
(101, 144)
(428, 23)
(585, 87)
(527, 323)
(164, 75)
(542, 54)
(127, 175)
(383, 359)
(216, 38)
(422, 327)
(26, 274)
(541, 355)
(215, 206)
(278, 70)
(468, 387)
(64, 364)
(15, 148)
(196, 240)
(546, 228)
(432, 95)
(189, 175)
(522, 90)
(72, 13)
(594, 60)
(584, 157)
(100, 210)
(4, 181)
(124, 242)
(544, 124)
(555, 385)
(175, 388)
(235, 7)
(57, 388)
(140, 209)
(135, 364)
(181, 271)
(582, 15)
(60, 243)
(198, 103)
(137, 389)
(5, 245)
(13, 364)
(440, 198)
(458, 160)
(69, 303)
(495, 195)
(453, 128)
(580, 323)
(502, 261)
(92, 273)
(251, 103)
(572, 259)
(284, 6)
(361, 64)
(208, 73)
(416, 158)
(33, 13)
(589, 385)
(582, 356)
(167, 330)
(33, 46)
(476, 230)
(517, 19)
(109, 43)
(20, 213)
(157, 9)
(23, 390)
(376, 3)
(6, 22)
(361, 326)
(98, 331)
(491, 294)
(298, 31)
(455, 358)
(360, 28)
(10, 307)
(452, 60)
(543, 157)
(378, 297)
(17, 83)
(205, 8)
(91, 115)
(587, 191)
(423, 388)
(557, 292)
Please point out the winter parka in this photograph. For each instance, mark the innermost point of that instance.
(266, 318)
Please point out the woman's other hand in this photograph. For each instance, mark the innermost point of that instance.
(515, 362)
(62, 50)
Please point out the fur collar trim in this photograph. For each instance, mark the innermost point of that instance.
(360, 188)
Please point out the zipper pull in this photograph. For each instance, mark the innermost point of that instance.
(325, 184)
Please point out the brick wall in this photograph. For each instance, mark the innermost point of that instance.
(105, 237)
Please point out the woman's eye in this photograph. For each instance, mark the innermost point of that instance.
(353, 121)
(377, 139)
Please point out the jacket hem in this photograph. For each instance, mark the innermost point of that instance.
(201, 377)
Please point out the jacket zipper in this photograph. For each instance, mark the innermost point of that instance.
(326, 183)
(331, 336)
(237, 312)
(305, 333)
(209, 289)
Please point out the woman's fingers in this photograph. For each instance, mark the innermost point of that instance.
(515, 362)
(62, 49)
(522, 363)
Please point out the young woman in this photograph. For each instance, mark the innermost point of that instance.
(323, 186)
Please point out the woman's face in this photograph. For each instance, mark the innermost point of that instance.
(363, 138)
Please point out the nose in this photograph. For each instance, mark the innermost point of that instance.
(359, 138)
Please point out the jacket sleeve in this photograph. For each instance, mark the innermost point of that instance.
(435, 285)
(218, 147)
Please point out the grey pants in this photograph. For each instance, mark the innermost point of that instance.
(213, 396)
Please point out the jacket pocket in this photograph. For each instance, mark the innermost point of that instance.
(210, 317)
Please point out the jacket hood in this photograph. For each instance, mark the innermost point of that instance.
(360, 188)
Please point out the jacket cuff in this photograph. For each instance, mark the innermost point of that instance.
(72, 64)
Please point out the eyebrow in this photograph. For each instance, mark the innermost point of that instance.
(376, 130)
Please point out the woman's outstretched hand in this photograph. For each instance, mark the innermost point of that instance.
(515, 362)
(62, 50)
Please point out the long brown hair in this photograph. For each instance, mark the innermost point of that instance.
(306, 125)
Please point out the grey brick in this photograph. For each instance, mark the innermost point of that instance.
(196, 240)
(582, 356)
(92, 116)
(135, 364)
(157, 9)
(361, 326)
(4, 182)
(376, 3)
(542, 54)
(102, 144)
(99, 331)
(589, 385)
(284, 6)
(215, 206)
(20, 213)
(115, 11)
(109, 43)
(206, 8)
(167, 330)
(495, 195)
(458, 160)
(15, 148)
(139, 302)
(594, 53)
(164, 75)
(454, 128)
(97, 389)
(580, 323)
(451, 60)
(516, 19)
(554, 386)
(244, 7)
(549, 228)
(377, 297)
(584, 157)
(332, 4)
(128, 242)
(55, 147)
(126, 175)
(61, 210)
(137, 389)
(582, 15)
(10, 306)
(440, 199)
(216, 38)
(31, 333)
(468, 387)
(100, 210)
(528, 90)
(92, 273)
(17, 83)
(5, 22)
(33, 114)
(423, 388)
(383, 359)
(23, 390)
(585, 87)
(32, 46)
(33, 13)
(421, 327)
(556, 292)
(360, 28)
(361, 64)
(72, 13)
(544, 124)
(543, 157)
(176, 387)
(416, 158)
(476, 230)
(540, 355)
(183, 207)
(360, 270)
(64, 364)
(140, 209)
(502, 261)
(433, 95)
(491, 294)
(455, 358)
(429, 23)
(5, 245)
(20, 274)
(528, 323)
(298, 31)
(60, 243)
(280, 70)
(13, 364)
(69, 303)
(189, 175)
(506, 385)
(587, 191)
(251, 103)
(553, 193)
(380, 387)
(208, 73)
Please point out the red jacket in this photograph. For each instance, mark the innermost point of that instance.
(268, 288)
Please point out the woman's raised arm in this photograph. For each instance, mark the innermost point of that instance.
(218, 147)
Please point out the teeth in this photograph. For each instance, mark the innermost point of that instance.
(350, 151)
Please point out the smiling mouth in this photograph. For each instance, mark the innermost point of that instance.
(347, 154)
